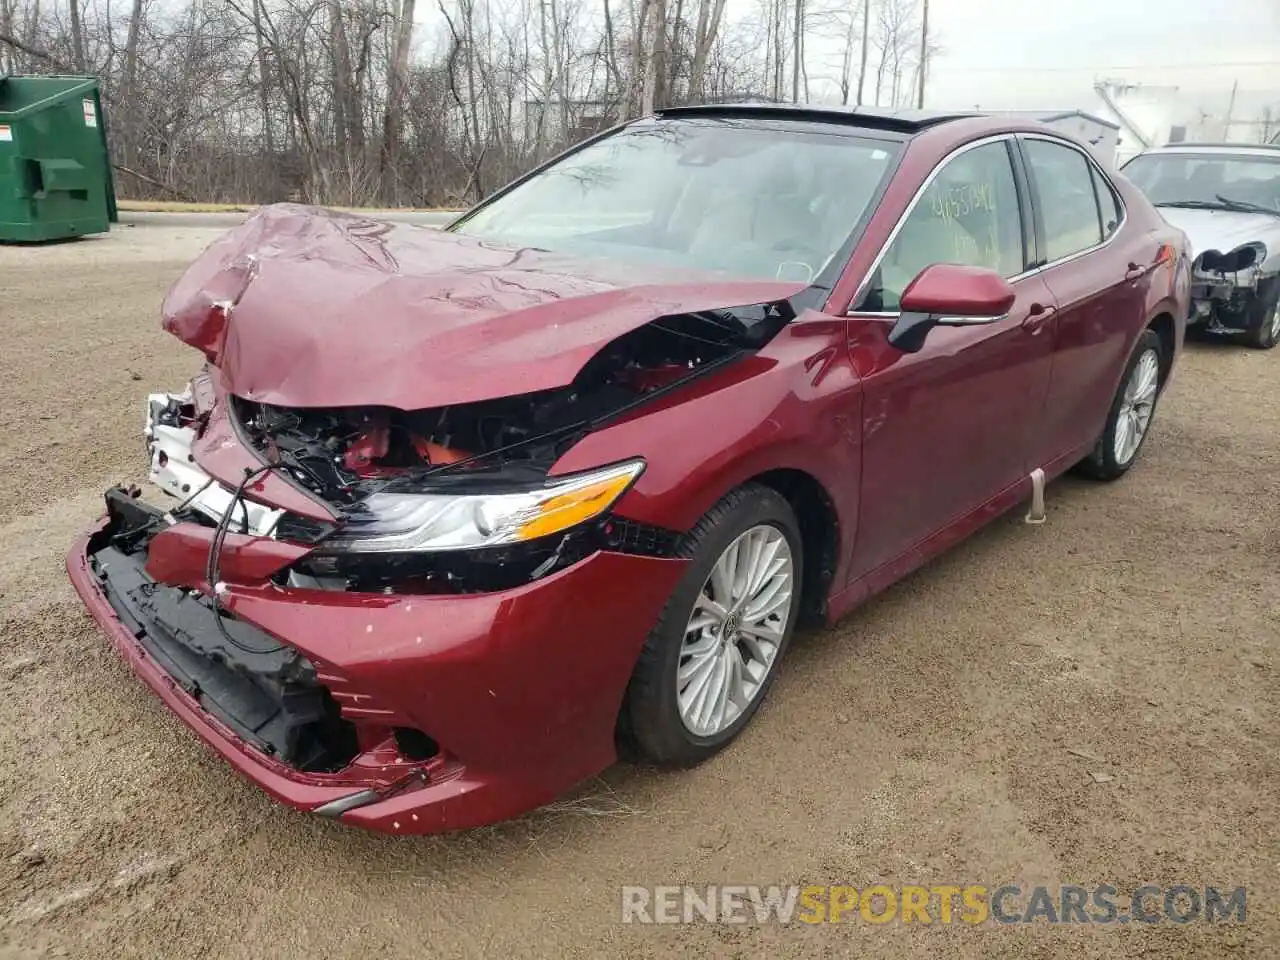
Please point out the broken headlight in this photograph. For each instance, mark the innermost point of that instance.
(426, 522)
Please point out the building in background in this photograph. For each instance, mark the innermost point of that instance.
(566, 121)
(1102, 135)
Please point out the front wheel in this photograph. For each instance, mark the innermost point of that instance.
(712, 656)
(1132, 410)
(1264, 318)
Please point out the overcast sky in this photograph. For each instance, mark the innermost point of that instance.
(1047, 53)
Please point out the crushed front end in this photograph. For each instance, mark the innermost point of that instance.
(297, 625)
(367, 586)
(268, 693)
(1226, 289)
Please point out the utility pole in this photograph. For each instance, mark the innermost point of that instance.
(866, 45)
(1231, 108)
(924, 53)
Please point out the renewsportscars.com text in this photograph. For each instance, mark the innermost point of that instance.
(938, 903)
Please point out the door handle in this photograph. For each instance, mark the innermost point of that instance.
(1135, 272)
(1037, 316)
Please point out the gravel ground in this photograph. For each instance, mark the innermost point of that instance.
(923, 740)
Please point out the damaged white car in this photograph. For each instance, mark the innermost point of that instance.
(1226, 199)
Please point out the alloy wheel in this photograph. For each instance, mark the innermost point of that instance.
(1137, 406)
(737, 627)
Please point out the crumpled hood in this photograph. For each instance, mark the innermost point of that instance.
(1224, 230)
(300, 306)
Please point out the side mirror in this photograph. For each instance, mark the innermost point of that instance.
(947, 294)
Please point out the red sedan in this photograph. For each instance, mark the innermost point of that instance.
(455, 517)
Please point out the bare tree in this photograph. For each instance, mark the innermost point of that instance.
(397, 84)
(264, 79)
(637, 72)
(610, 42)
(710, 15)
(893, 40)
(654, 86)
(77, 36)
(368, 102)
(8, 40)
(922, 67)
(866, 48)
(779, 46)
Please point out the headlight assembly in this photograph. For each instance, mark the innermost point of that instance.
(432, 522)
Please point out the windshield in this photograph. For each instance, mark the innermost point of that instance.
(723, 195)
(1207, 179)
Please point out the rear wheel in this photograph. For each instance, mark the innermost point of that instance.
(710, 660)
(1131, 413)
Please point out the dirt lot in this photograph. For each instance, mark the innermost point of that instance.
(924, 740)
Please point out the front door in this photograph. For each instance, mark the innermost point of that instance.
(947, 429)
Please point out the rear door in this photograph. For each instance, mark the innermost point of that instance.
(1093, 267)
(947, 429)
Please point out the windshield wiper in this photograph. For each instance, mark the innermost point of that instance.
(1221, 203)
(1246, 206)
(1194, 204)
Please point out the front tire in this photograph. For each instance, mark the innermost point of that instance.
(1131, 413)
(711, 658)
(1264, 317)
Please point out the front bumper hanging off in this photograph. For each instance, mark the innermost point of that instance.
(397, 712)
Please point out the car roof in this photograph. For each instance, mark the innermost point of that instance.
(880, 119)
(1268, 150)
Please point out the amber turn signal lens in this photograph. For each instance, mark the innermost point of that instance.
(568, 509)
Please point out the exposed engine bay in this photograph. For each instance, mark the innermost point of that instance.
(1225, 288)
(345, 456)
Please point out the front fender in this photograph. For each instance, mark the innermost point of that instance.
(794, 405)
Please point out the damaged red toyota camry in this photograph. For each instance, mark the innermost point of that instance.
(449, 520)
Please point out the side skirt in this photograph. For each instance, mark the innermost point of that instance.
(917, 556)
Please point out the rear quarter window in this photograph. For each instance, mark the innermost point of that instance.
(1108, 203)
(1064, 185)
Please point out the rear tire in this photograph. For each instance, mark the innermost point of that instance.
(713, 634)
(1132, 412)
(1264, 317)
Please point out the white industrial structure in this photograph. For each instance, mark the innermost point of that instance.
(1127, 118)
(1153, 116)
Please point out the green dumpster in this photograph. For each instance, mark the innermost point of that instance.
(55, 173)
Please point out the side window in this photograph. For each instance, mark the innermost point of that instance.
(968, 215)
(1112, 212)
(1063, 181)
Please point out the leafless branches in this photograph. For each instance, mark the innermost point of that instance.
(410, 103)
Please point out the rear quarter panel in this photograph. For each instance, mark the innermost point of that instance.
(1168, 284)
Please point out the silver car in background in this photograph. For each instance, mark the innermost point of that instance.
(1226, 199)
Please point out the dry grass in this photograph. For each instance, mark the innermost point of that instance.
(176, 206)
